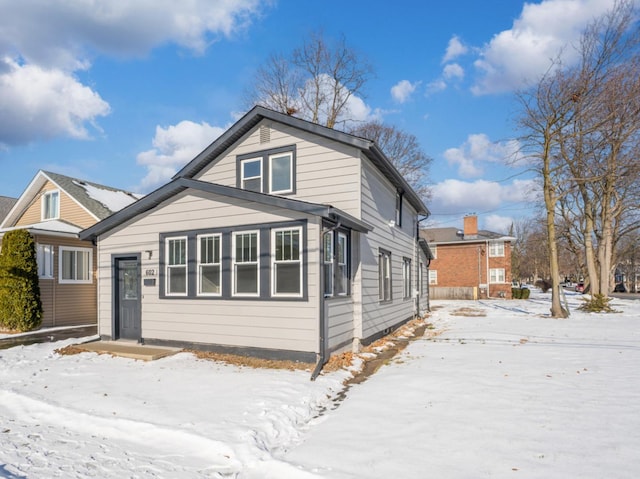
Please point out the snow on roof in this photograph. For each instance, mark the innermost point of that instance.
(53, 226)
(113, 200)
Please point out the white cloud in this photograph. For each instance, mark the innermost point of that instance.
(455, 48)
(174, 147)
(497, 223)
(42, 44)
(479, 149)
(517, 57)
(453, 70)
(403, 90)
(436, 86)
(456, 197)
(39, 103)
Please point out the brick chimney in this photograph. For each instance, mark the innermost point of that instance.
(470, 227)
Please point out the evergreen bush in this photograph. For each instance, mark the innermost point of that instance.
(598, 303)
(20, 305)
(524, 293)
(516, 293)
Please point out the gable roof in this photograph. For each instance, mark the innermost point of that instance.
(6, 203)
(99, 201)
(181, 184)
(259, 113)
(454, 235)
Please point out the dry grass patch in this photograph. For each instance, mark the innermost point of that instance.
(251, 362)
(71, 349)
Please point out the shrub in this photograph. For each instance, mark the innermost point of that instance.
(524, 293)
(516, 293)
(20, 305)
(544, 285)
(598, 303)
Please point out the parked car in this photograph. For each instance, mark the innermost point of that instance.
(620, 288)
(580, 288)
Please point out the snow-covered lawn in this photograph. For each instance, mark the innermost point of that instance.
(512, 393)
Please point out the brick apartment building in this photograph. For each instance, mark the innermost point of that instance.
(468, 263)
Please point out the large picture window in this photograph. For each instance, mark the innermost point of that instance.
(75, 265)
(51, 205)
(176, 266)
(245, 264)
(209, 265)
(384, 276)
(287, 262)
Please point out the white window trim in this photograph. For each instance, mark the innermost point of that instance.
(273, 262)
(384, 265)
(61, 251)
(406, 278)
(41, 255)
(256, 262)
(280, 155)
(493, 272)
(168, 266)
(345, 264)
(433, 276)
(42, 205)
(494, 249)
(328, 263)
(243, 178)
(199, 264)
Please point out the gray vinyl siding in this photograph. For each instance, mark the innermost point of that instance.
(378, 208)
(269, 324)
(328, 172)
(340, 321)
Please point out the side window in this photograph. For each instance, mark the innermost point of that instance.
(287, 262)
(75, 265)
(328, 263)
(342, 265)
(44, 258)
(433, 276)
(384, 276)
(51, 205)
(245, 264)
(176, 266)
(496, 249)
(496, 275)
(209, 265)
(406, 278)
(251, 174)
(281, 173)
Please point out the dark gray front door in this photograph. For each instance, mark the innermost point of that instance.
(128, 320)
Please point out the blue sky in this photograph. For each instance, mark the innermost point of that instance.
(125, 93)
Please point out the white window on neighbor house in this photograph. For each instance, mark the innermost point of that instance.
(176, 266)
(286, 260)
(51, 205)
(245, 264)
(281, 173)
(384, 276)
(251, 174)
(406, 278)
(496, 275)
(209, 265)
(496, 248)
(75, 265)
(44, 258)
(433, 276)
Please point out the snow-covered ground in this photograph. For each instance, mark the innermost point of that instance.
(512, 393)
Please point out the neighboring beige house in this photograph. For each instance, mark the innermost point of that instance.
(54, 208)
(282, 239)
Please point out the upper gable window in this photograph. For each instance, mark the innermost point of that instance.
(51, 205)
(251, 171)
(269, 171)
(281, 173)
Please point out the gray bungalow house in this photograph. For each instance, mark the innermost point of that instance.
(282, 239)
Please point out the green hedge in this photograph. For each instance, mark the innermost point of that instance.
(520, 293)
(20, 305)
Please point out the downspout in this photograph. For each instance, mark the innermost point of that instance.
(487, 258)
(323, 357)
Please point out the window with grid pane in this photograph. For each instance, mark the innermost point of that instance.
(176, 266)
(209, 265)
(245, 264)
(287, 262)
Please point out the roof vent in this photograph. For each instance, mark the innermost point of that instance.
(265, 134)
